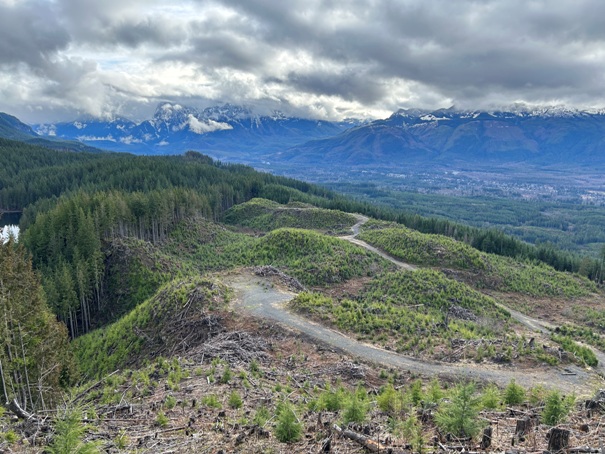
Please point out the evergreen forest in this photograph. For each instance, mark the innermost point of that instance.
(128, 292)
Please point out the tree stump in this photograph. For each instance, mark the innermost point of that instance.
(486, 440)
(523, 427)
(558, 440)
(596, 404)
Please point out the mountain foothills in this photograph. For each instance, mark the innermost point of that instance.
(446, 138)
(12, 128)
(181, 304)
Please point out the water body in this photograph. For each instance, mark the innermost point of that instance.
(9, 225)
(12, 218)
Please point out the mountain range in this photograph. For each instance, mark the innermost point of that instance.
(454, 138)
(225, 132)
(412, 138)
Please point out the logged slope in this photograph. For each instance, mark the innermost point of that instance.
(266, 215)
(315, 259)
(479, 269)
(173, 320)
(268, 302)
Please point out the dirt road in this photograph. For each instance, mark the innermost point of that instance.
(259, 297)
(534, 325)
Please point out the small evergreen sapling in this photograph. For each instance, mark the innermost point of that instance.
(556, 408)
(514, 394)
(460, 416)
(288, 428)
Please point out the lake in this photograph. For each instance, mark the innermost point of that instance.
(9, 224)
(12, 218)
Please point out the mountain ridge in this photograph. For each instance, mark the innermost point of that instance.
(451, 138)
(223, 130)
(409, 138)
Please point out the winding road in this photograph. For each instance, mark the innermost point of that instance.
(260, 298)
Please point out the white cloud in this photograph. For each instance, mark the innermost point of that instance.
(108, 138)
(202, 127)
(128, 140)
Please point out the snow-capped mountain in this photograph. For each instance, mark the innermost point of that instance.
(450, 137)
(409, 137)
(224, 131)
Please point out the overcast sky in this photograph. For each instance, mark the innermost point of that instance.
(60, 59)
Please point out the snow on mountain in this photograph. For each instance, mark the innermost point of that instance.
(520, 133)
(175, 128)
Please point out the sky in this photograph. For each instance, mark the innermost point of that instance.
(332, 59)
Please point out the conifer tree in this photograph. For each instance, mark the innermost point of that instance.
(34, 349)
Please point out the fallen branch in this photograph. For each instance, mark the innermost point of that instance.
(93, 386)
(18, 411)
(368, 443)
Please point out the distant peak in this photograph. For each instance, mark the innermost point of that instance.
(410, 113)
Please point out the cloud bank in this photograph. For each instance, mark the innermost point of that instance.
(321, 58)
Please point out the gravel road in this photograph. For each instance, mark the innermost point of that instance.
(259, 297)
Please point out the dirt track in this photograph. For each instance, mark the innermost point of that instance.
(259, 297)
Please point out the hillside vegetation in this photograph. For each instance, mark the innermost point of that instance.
(315, 259)
(266, 215)
(418, 312)
(180, 314)
(487, 271)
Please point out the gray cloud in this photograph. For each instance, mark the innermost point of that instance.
(30, 33)
(321, 57)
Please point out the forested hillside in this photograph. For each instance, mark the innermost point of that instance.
(136, 258)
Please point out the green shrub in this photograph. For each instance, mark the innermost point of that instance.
(460, 416)
(169, 402)
(585, 354)
(556, 408)
(514, 394)
(69, 431)
(332, 400)
(261, 416)
(434, 393)
(412, 431)
(389, 400)
(11, 437)
(537, 394)
(235, 400)
(288, 428)
(121, 441)
(415, 393)
(161, 419)
(355, 409)
(491, 398)
(211, 401)
(227, 375)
